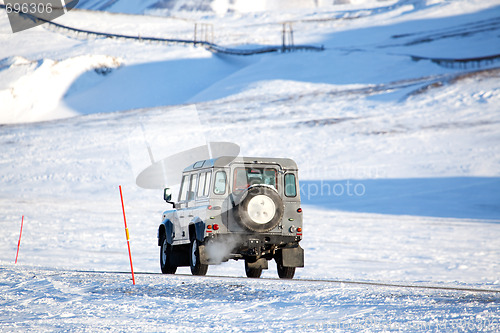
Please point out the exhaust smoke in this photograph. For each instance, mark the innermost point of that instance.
(220, 250)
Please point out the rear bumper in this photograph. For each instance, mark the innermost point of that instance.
(248, 246)
(254, 239)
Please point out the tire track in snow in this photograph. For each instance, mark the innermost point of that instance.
(350, 282)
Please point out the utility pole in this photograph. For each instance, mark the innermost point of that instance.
(287, 34)
(205, 33)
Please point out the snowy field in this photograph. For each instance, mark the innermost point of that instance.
(399, 165)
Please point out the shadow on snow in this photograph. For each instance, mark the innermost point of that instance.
(455, 197)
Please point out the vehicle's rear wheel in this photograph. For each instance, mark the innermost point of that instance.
(284, 272)
(252, 272)
(197, 268)
(165, 253)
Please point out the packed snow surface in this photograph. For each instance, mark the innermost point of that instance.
(399, 164)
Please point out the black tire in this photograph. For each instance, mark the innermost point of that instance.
(284, 272)
(197, 268)
(252, 272)
(165, 253)
(266, 208)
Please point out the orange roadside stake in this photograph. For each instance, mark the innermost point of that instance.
(19, 242)
(128, 236)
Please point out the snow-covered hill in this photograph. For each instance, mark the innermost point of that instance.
(374, 49)
(221, 7)
(399, 161)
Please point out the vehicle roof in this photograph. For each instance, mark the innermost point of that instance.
(285, 163)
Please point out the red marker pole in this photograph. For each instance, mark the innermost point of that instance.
(128, 237)
(20, 234)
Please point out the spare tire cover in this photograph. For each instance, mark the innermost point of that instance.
(259, 208)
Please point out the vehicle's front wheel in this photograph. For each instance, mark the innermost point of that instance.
(284, 272)
(197, 268)
(252, 272)
(165, 253)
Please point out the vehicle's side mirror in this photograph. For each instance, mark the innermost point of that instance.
(167, 196)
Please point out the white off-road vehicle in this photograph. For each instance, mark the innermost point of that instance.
(234, 208)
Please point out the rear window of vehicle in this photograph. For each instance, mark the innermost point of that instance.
(246, 177)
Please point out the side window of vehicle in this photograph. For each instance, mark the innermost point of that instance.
(184, 188)
(201, 185)
(220, 182)
(192, 187)
(207, 183)
(290, 185)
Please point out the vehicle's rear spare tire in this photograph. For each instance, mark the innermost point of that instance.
(259, 208)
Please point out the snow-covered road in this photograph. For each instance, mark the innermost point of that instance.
(47, 300)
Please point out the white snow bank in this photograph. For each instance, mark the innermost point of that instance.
(32, 90)
(150, 84)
